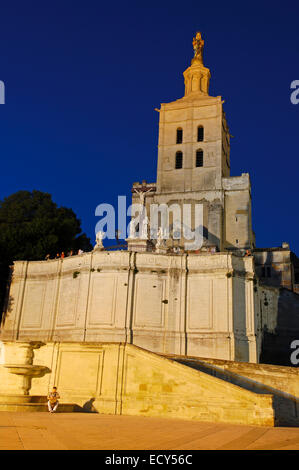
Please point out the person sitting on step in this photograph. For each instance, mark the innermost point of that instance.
(53, 400)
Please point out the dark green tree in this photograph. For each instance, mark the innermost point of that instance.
(32, 226)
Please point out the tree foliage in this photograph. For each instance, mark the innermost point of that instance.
(32, 226)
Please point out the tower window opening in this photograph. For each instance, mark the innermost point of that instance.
(200, 134)
(178, 160)
(199, 158)
(179, 136)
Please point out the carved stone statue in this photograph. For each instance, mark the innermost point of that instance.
(142, 195)
(198, 44)
(144, 228)
(160, 238)
(99, 240)
(132, 229)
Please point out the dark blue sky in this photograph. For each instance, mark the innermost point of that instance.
(83, 78)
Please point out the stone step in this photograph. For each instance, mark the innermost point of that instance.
(32, 407)
(257, 378)
(9, 398)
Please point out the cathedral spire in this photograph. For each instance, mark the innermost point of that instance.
(197, 76)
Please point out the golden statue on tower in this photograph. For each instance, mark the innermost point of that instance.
(198, 44)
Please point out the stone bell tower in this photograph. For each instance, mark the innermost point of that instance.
(194, 161)
(193, 134)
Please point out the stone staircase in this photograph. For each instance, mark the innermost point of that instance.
(279, 381)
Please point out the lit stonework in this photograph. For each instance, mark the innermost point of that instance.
(196, 127)
(227, 301)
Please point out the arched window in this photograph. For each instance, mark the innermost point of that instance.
(179, 136)
(199, 158)
(200, 134)
(179, 160)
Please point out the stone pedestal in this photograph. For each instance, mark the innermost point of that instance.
(26, 372)
(139, 245)
(161, 250)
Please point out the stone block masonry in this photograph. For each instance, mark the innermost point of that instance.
(115, 378)
(203, 305)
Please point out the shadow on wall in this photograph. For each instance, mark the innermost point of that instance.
(209, 239)
(242, 352)
(276, 276)
(88, 406)
(268, 275)
(276, 346)
(6, 302)
(8, 307)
